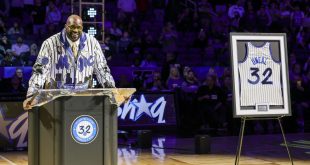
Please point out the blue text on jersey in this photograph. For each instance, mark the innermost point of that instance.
(259, 60)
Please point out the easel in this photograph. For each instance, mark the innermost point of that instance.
(241, 133)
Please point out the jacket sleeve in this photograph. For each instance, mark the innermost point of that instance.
(40, 69)
(101, 68)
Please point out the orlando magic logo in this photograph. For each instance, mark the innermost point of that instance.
(84, 129)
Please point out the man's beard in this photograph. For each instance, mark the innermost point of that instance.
(74, 36)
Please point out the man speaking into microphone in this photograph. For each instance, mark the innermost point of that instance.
(67, 60)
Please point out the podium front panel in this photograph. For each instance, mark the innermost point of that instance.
(55, 127)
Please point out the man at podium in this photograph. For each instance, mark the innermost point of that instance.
(67, 60)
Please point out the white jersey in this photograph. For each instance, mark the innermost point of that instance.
(260, 77)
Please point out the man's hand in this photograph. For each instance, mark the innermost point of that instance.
(28, 103)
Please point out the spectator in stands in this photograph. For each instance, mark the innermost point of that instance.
(210, 100)
(20, 51)
(264, 19)
(15, 86)
(17, 8)
(191, 82)
(38, 18)
(190, 79)
(171, 9)
(249, 18)
(53, 15)
(4, 8)
(201, 40)
(205, 8)
(158, 9)
(20, 75)
(136, 62)
(174, 80)
(109, 47)
(28, 5)
(220, 23)
(275, 15)
(143, 7)
(292, 60)
(115, 32)
(235, 23)
(16, 29)
(196, 25)
(138, 78)
(186, 69)
(171, 61)
(212, 72)
(5, 42)
(306, 66)
(297, 18)
(135, 43)
(34, 51)
(65, 10)
(236, 10)
(2, 27)
(184, 20)
(133, 26)
(121, 19)
(296, 72)
(154, 83)
(228, 105)
(284, 16)
(301, 39)
(7, 51)
(210, 54)
(168, 38)
(124, 42)
(235, 13)
(49, 31)
(148, 42)
(127, 6)
(148, 62)
(299, 92)
(136, 54)
(224, 54)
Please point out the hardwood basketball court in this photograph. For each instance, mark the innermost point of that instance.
(167, 150)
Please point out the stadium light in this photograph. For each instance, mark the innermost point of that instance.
(91, 12)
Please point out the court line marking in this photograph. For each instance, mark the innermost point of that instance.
(10, 162)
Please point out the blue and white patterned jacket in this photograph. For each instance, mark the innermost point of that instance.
(57, 68)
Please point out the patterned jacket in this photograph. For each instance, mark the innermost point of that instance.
(57, 68)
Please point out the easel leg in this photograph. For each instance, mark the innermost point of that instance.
(288, 150)
(240, 141)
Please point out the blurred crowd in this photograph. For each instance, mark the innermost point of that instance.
(169, 37)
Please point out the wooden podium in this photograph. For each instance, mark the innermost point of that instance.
(70, 127)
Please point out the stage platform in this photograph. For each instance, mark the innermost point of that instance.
(169, 150)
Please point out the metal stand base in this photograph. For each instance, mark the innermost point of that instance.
(241, 134)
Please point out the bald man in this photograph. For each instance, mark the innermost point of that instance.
(67, 60)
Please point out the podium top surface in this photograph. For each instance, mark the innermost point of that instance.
(117, 95)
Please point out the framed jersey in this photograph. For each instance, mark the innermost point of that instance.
(260, 74)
